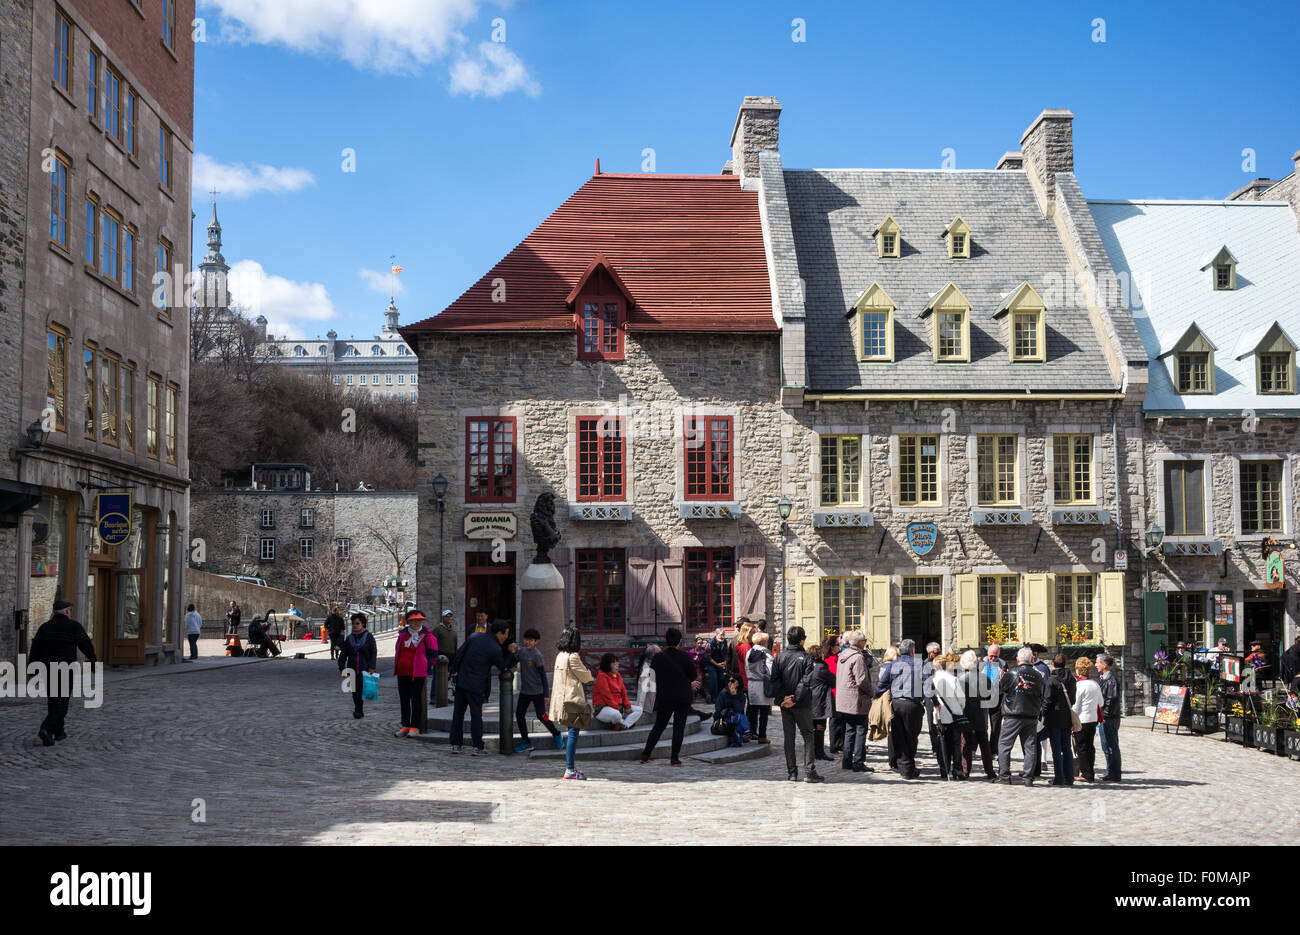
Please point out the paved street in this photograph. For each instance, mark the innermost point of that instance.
(272, 750)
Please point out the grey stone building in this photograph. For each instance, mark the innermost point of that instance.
(961, 411)
(1285, 189)
(100, 375)
(623, 358)
(265, 526)
(1213, 299)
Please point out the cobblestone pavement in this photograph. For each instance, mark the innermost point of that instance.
(274, 754)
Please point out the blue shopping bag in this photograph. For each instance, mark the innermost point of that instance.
(369, 687)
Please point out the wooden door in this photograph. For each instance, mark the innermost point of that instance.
(125, 605)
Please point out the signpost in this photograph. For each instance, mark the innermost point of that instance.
(113, 517)
(482, 525)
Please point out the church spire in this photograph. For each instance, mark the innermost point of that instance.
(214, 259)
(390, 317)
(213, 269)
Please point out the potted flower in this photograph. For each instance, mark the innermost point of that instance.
(1238, 726)
(1267, 735)
(1205, 715)
(1164, 669)
(1289, 725)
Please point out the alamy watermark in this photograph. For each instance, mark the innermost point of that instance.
(24, 679)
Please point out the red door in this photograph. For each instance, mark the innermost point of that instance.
(489, 587)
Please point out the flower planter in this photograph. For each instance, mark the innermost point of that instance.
(1291, 743)
(1239, 730)
(1269, 739)
(1205, 722)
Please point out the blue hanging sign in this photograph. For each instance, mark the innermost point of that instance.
(113, 517)
(922, 537)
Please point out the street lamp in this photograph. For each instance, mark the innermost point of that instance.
(439, 484)
(1154, 536)
(783, 508)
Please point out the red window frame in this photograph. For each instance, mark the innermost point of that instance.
(710, 588)
(487, 453)
(602, 459)
(708, 444)
(600, 589)
(600, 321)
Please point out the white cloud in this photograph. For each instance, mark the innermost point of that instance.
(285, 303)
(237, 180)
(383, 283)
(375, 35)
(493, 71)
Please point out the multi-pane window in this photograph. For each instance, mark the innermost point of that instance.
(1072, 468)
(349, 379)
(109, 373)
(708, 445)
(343, 547)
(169, 23)
(1194, 372)
(92, 229)
(307, 547)
(599, 589)
(601, 335)
(1075, 620)
(268, 519)
(1261, 497)
(88, 374)
(710, 577)
(307, 517)
(165, 157)
(414, 378)
(163, 263)
(336, 379)
(601, 453)
(267, 551)
(1275, 373)
(887, 244)
(1185, 498)
(958, 245)
(56, 376)
(388, 379)
(949, 331)
(401, 379)
(151, 417)
(918, 469)
(841, 463)
(999, 608)
(996, 460)
(132, 116)
(172, 392)
(1223, 276)
(1186, 617)
(59, 200)
(490, 460)
(113, 102)
(92, 87)
(62, 48)
(128, 407)
(875, 334)
(922, 586)
(841, 605)
(111, 246)
(1025, 335)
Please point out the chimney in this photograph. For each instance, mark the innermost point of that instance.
(1048, 148)
(1295, 161)
(755, 130)
(1011, 160)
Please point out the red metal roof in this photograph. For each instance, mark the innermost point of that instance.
(687, 248)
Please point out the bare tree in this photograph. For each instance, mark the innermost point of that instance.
(327, 577)
(398, 547)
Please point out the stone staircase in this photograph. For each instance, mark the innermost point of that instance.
(602, 743)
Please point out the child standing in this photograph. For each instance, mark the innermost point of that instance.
(532, 691)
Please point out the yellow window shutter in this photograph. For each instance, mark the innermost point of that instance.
(878, 612)
(1038, 610)
(1114, 632)
(968, 612)
(807, 610)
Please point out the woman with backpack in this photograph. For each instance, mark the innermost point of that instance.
(758, 668)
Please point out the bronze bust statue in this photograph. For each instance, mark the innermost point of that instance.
(545, 535)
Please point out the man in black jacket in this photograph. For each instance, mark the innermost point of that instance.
(1021, 691)
(57, 641)
(676, 682)
(1111, 712)
(792, 685)
(471, 668)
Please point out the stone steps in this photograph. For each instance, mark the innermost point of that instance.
(696, 742)
(595, 737)
(750, 751)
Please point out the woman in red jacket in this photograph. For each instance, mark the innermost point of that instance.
(609, 696)
(414, 657)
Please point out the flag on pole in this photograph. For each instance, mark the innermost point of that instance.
(396, 270)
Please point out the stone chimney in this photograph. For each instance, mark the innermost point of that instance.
(1048, 148)
(755, 130)
(1011, 160)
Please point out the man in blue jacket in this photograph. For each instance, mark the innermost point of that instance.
(471, 668)
(905, 679)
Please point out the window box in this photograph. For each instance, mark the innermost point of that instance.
(694, 509)
(1204, 722)
(1001, 517)
(1081, 518)
(843, 519)
(600, 511)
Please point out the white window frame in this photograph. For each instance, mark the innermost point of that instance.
(266, 549)
(268, 518)
(343, 546)
(307, 546)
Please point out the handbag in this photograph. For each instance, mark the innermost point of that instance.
(721, 725)
(369, 687)
(576, 714)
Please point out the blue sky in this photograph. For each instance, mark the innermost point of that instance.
(464, 145)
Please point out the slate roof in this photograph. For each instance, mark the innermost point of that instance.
(833, 213)
(1161, 246)
(689, 249)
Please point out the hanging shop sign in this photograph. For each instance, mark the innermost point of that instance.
(491, 525)
(1274, 572)
(113, 517)
(921, 537)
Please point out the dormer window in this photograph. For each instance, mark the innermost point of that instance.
(299, 351)
(873, 324)
(1274, 361)
(376, 351)
(600, 304)
(1026, 331)
(888, 238)
(957, 235)
(1193, 357)
(1223, 270)
(951, 336)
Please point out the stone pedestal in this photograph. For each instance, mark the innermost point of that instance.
(541, 606)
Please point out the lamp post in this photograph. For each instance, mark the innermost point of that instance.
(783, 508)
(1155, 612)
(439, 485)
(1154, 537)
